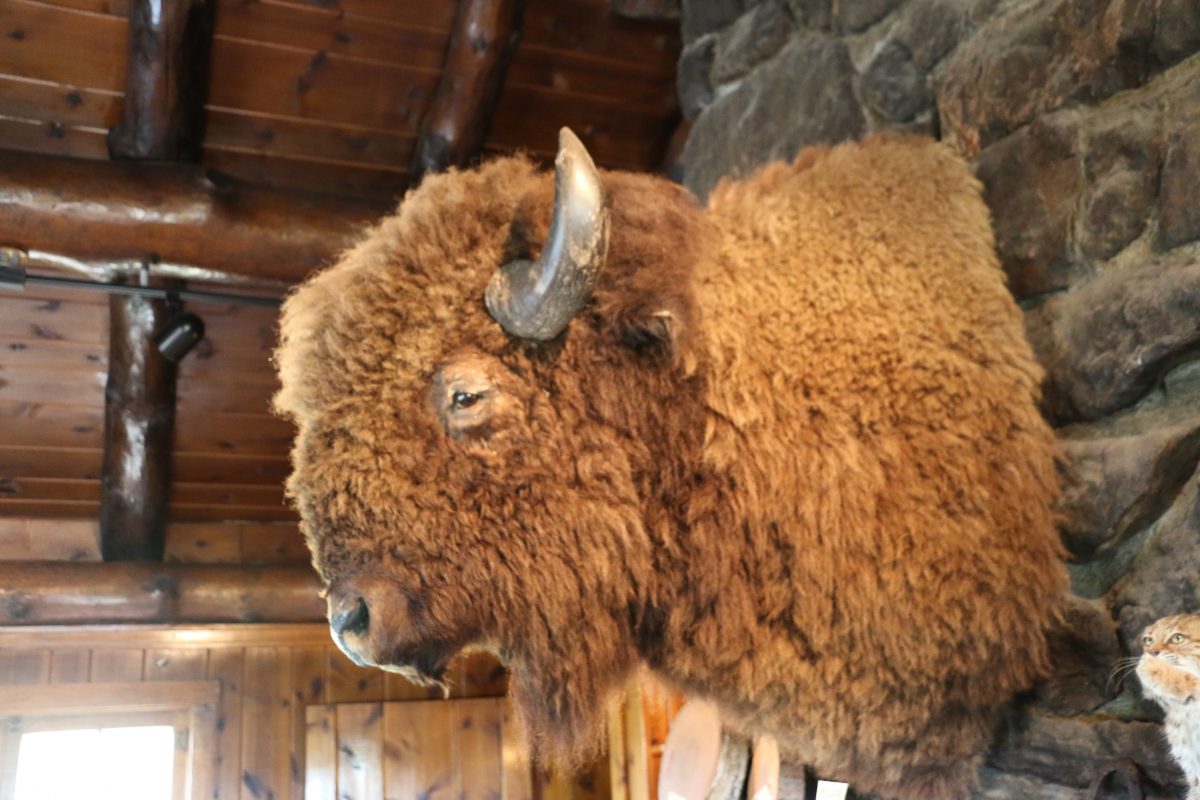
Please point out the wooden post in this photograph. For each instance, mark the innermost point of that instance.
(166, 81)
(139, 420)
(485, 36)
(169, 42)
(70, 593)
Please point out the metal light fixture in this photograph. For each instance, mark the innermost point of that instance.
(183, 331)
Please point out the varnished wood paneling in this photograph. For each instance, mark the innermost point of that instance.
(358, 180)
(49, 540)
(477, 736)
(39, 36)
(266, 710)
(70, 666)
(360, 751)
(112, 665)
(19, 668)
(227, 665)
(174, 664)
(46, 101)
(418, 751)
(349, 683)
(321, 755)
(317, 27)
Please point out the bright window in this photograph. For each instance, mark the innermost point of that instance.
(133, 763)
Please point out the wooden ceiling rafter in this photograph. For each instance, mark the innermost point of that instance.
(455, 125)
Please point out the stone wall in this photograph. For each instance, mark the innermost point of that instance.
(1082, 119)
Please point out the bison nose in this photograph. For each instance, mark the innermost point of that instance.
(349, 615)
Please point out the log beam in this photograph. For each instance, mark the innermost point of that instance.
(139, 420)
(486, 33)
(66, 593)
(176, 213)
(165, 81)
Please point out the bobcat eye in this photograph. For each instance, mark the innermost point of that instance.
(461, 400)
(1147, 640)
(1178, 638)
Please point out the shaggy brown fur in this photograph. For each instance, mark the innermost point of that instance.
(789, 456)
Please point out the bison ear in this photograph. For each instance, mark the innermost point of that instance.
(655, 330)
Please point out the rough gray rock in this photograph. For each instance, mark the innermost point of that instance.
(1179, 198)
(1177, 30)
(699, 17)
(855, 15)
(1115, 212)
(756, 36)
(1032, 181)
(1083, 650)
(995, 785)
(1037, 57)
(1116, 485)
(930, 29)
(1071, 750)
(893, 85)
(815, 15)
(1165, 576)
(1108, 340)
(691, 76)
(772, 115)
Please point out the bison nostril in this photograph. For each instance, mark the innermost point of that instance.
(350, 616)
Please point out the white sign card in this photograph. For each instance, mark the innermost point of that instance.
(831, 790)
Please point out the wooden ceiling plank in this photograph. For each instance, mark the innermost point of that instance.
(317, 85)
(326, 29)
(567, 74)
(380, 188)
(108, 8)
(41, 136)
(454, 127)
(55, 102)
(282, 136)
(589, 28)
(62, 45)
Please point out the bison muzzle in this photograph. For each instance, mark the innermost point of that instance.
(785, 451)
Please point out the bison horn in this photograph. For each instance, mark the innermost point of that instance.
(537, 299)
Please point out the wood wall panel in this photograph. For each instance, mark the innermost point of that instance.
(321, 755)
(228, 665)
(277, 699)
(271, 676)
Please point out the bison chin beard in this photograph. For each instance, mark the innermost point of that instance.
(562, 686)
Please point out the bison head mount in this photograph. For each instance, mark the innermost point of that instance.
(784, 451)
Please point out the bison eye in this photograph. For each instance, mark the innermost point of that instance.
(461, 400)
